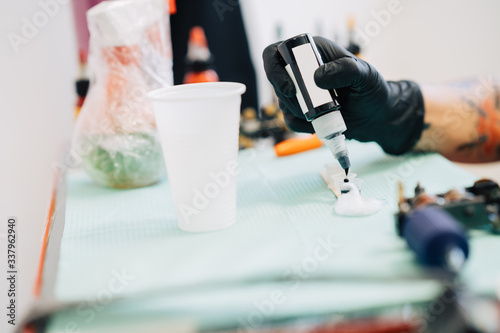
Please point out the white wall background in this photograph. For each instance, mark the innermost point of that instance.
(36, 111)
(429, 41)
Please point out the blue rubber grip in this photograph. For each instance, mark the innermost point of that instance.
(430, 232)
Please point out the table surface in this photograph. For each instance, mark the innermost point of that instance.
(483, 170)
(285, 220)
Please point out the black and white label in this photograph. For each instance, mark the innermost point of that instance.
(307, 63)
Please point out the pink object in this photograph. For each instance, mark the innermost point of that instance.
(80, 8)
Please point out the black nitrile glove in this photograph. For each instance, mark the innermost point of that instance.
(389, 113)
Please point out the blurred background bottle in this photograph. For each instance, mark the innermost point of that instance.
(199, 60)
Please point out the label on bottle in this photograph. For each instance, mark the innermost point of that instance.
(308, 63)
(300, 98)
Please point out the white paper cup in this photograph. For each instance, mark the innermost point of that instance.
(199, 127)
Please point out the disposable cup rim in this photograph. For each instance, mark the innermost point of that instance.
(185, 92)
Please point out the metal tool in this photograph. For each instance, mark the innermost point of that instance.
(434, 225)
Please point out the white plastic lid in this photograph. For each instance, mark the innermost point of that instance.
(329, 124)
(122, 22)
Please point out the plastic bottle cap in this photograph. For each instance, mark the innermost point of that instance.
(329, 124)
(197, 36)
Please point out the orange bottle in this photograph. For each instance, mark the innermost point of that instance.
(199, 60)
(82, 84)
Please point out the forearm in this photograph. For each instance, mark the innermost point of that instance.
(462, 121)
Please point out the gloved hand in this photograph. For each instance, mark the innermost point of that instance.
(389, 113)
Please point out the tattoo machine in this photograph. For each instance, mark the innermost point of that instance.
(433, 225)
(320, 106)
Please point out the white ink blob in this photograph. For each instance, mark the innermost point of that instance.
(348, 192)
(351, 203)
